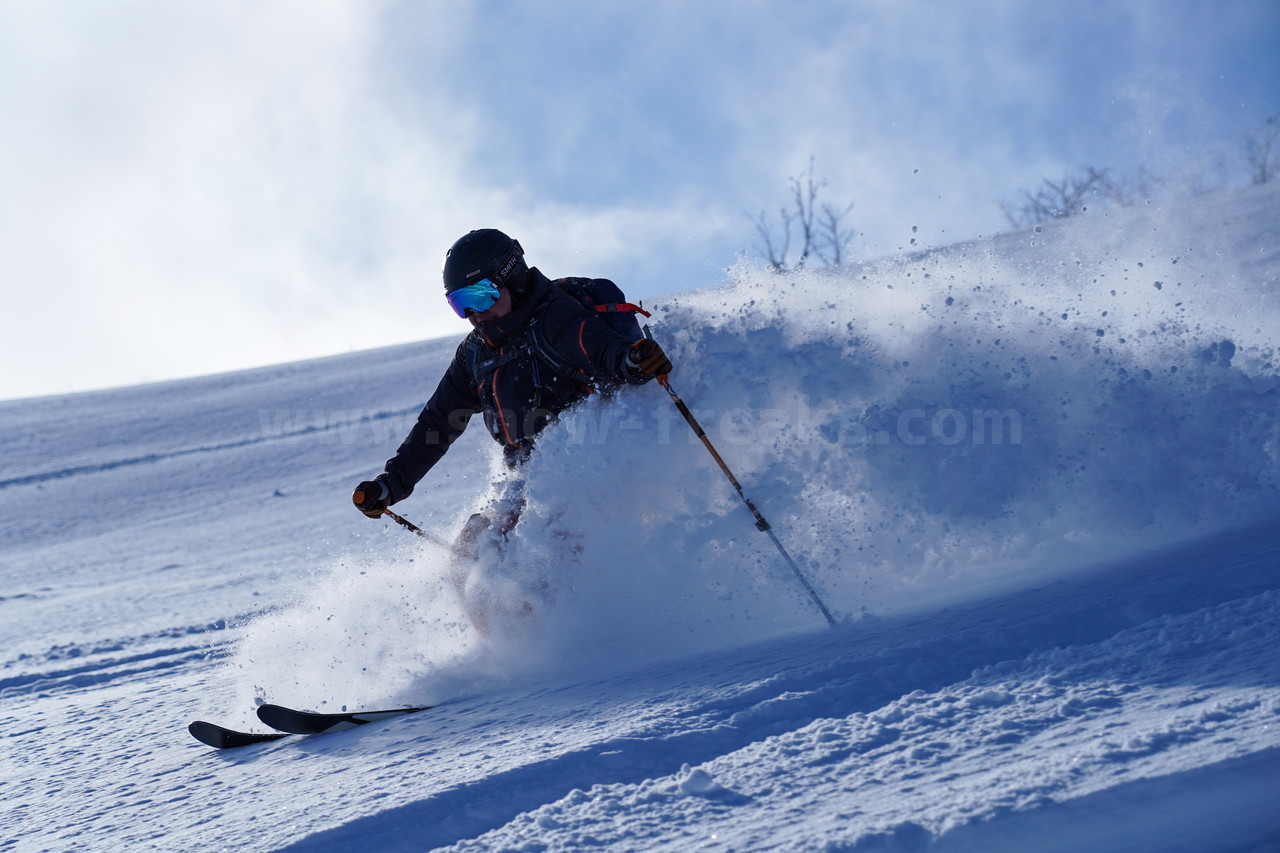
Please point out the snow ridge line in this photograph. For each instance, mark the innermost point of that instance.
(101, 467)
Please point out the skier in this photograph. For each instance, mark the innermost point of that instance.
(537, 348)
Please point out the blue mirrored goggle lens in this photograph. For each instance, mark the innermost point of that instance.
(477, 297)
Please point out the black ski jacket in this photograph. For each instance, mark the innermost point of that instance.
(520, 371)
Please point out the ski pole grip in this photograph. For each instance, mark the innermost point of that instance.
(358, 497)
(662, 377)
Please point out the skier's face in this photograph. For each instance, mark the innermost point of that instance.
(501, 308)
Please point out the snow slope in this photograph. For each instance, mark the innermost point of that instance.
(1038, 476)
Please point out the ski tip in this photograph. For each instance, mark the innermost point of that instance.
(294, 721)
(220, 737)
(315, 722)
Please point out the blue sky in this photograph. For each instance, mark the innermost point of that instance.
(196, 187)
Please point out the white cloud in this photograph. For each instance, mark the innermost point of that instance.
(193, 187)
(203, 186)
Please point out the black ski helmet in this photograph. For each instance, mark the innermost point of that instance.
(485, 253)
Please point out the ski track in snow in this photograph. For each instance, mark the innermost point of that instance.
(1061, 644)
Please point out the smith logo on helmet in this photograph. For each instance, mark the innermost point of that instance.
(484, 253)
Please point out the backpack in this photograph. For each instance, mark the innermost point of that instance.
(605, 298)
(598, 295)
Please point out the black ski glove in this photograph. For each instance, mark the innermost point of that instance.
(647, 358)
(370, 497)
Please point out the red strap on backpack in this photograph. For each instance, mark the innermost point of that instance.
(621, 308)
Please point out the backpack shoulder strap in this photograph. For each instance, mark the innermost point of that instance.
(482, 367)
(541, 347)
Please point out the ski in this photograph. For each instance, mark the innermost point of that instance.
(289, 721)
(220, 737)
(297, 722)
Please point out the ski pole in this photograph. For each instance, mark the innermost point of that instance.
(409, 525)
(358, 497)
(761, 524)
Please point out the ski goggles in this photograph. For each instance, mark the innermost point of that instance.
(474, 298)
